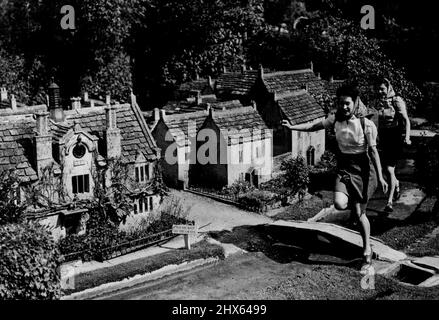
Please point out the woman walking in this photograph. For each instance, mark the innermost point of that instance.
(393, 123)
(357, 174)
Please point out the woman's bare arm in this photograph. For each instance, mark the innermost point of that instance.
(304, 127)
(377, 163)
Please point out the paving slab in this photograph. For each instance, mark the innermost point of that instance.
(383, 251)
(428, 262)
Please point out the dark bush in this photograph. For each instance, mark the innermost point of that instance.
(257, 200)
(28, 264)
(237, 188)
(296, 175)
(427, 166)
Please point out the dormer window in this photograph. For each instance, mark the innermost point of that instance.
(142, 172)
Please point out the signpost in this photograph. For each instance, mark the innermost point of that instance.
(187, 230)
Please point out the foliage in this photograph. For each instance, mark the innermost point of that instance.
(257, 199)
(28, 267)
(327, 163)
(11, 211)
(102, 233)
(341, 48)
(296, 175)
(427, 166)
(237, 188)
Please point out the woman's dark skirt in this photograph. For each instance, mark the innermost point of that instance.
(356, 177)
(390, 144)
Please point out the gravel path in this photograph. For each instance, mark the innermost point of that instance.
(212, 215)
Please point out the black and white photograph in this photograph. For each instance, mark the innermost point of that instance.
(225, 153)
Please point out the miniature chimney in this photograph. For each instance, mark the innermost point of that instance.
(261, 71)
(254, 105)
(107, 99)
(318, 75)
(209, 110)
(163, 114)
(113, 135)
(133, 98)
(76, 103)
(85, 96)
(13, 102)
(43, 142)
(311, 66)
(198, 99)
(55, 108)
(243, 68)
(3, 94)
(156, 114)
(92, 103)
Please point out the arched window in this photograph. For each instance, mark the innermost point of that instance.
(310, 156)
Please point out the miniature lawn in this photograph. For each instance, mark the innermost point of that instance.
(200, 250)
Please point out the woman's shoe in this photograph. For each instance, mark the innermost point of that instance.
(389, 207)
(367, 262)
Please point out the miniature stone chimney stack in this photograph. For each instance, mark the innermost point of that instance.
(198, 98)
(43, 142)
(243, 68)
(3, 94)
(85, 96)
(156, 115)
(311, 66)
(55, 108)
(261, 71)
(113, 135)
(13, 102)
(76, 103)
(107, 99)
(163, 115)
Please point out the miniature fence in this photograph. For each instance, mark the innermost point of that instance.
(229, 199)
(125, 247)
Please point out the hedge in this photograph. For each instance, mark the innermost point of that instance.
(28, 264)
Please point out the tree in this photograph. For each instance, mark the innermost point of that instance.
(11, 211)
(296, 175)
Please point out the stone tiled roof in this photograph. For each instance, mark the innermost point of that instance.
(294, 80)
(16, 146)
(236, 83)
(242, 122)
(299, 107)
(17, 136)
(201, 85)
(134, 136)
(185, 125)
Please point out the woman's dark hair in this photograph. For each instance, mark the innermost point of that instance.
(348, 91)
(381, 80)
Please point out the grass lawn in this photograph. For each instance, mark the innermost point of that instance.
(306, 209)
(200, 250)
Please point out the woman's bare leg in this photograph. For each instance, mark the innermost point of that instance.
(341, 201)
(392, 181)
(360, 210)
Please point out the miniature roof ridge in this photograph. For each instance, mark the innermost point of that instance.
(286, 72)
(290, 93)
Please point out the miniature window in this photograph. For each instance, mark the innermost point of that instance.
(79, 151)
(142, 173)
(310, 156)
(81, 184)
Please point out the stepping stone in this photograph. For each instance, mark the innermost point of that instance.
(428, 262)
(382, 251)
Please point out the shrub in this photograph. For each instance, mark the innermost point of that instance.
(10, 211)
(296, 175)
(327, 163)
(28, 264)
(257, 199)
(237, 188)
